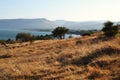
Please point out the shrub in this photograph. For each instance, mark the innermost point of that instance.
(70, 36)
(10, 41)
(87, 34)
(43, 37)
(109, 29)
(23, 37)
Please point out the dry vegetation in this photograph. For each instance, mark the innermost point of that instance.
(86, 58)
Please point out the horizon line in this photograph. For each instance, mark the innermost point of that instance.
(55, 19)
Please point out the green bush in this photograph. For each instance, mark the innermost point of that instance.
(23, 37)
(43, 37)
(109, 29)
(87, 33)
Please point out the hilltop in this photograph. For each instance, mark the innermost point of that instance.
(84, 58)
(42, 23)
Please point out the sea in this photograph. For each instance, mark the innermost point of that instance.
(11, 33)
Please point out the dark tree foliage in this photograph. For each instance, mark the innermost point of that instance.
(60, 32)
(10, 41)
(24, 37)
(89, 33)
(43, 37)
(109, 29)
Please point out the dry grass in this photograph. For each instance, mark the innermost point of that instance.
(87, 58)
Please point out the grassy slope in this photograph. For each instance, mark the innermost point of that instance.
(73, 59)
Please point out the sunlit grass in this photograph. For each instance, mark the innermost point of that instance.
(76, 58)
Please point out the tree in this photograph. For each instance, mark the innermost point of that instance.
(24, 37)
(109, 29)
(60, 32)
(32, 39)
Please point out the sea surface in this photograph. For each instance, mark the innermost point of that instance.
(11, 33)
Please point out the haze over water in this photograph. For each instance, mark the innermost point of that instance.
(11, 33)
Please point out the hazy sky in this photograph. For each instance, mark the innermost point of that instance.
(75, 10)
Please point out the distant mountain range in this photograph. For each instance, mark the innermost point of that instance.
(43, 23)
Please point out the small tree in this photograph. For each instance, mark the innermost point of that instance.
(24, 37)
(32, 39)
(60, 32)
(109, 29)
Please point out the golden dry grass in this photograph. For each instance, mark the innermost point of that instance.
(87, 58)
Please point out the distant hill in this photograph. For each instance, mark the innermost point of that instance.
(87, 25)
(26, 23)
(43, 23)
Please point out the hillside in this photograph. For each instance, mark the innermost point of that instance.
(26, 24)
(43, 23)
(85, 58)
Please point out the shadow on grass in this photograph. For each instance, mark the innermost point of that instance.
(20, 78)
(94, 75)
(100, 39)
(28, 77)
(94, 41)
(89, 58)
(5, 56)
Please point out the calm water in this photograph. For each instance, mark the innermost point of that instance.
(11, 33)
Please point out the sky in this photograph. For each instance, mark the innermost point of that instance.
(73, 10)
